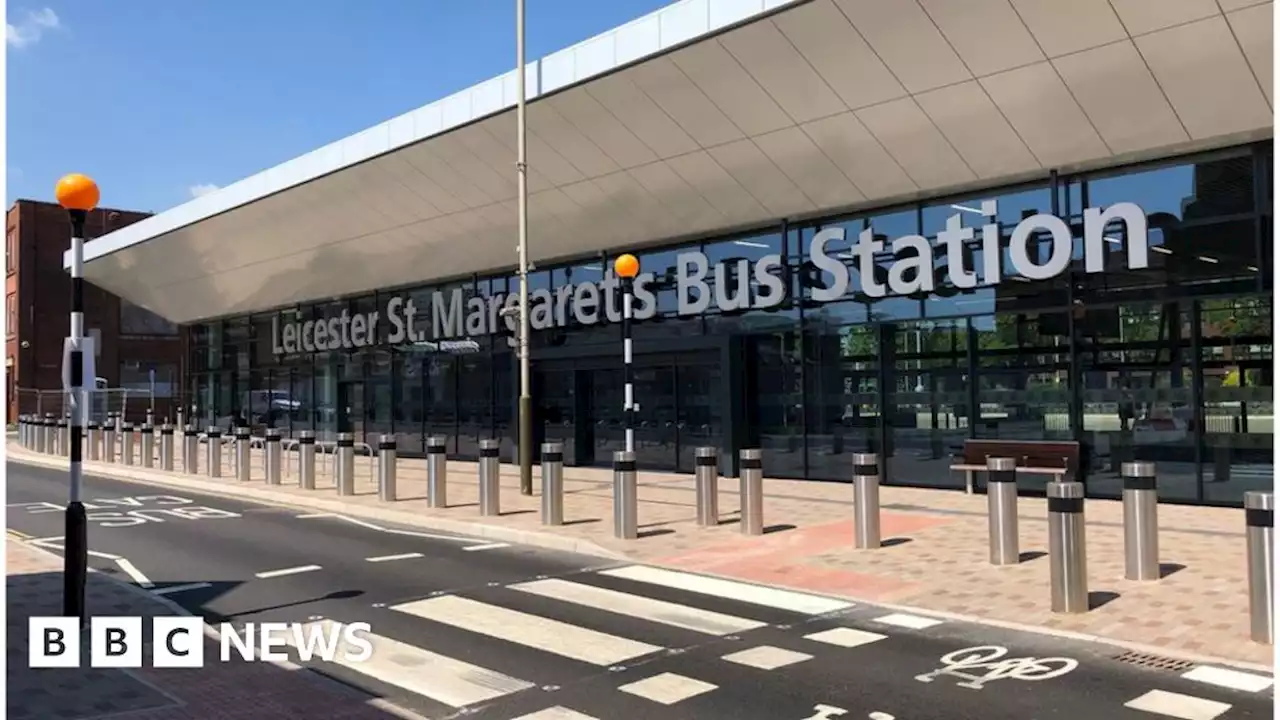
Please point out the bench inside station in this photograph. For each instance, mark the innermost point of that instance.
(1059, 460)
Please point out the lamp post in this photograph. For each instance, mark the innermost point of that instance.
(626, 267)
(78, 194)
(525, 421)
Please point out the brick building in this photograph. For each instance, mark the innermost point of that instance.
(130, 341)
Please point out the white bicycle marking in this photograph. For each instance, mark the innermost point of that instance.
(964, 664)
(826, 712)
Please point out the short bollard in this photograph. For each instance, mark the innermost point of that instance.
(58, 432)
(22, 430)
(271, 450)
(1068, 567)
(625, 521)
(147, 449)
(109, 436)
(866, 501)
(166, 447)
(346, 459)
(1002, 510)
(751, 490)
(244, 466)
(94, 440)
(437, 472)
(190, 450)
(1141, 529)
(307, 459)
(489, 488)
(552, 483)
(127, 439)
(706, 480)
(181, 420)
(387, 468)
(213, 451)
(1259, 520)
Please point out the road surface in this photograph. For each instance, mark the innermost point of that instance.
(463, 627)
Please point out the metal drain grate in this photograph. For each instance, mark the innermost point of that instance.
(1154, 662)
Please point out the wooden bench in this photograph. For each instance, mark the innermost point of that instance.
(1034, 457)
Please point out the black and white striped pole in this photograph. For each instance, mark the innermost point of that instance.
(626, 267)
(78, 194)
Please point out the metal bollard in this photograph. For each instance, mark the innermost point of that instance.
(552, 483)
(148, 450)
(190, 450)
(55, 437)
(866, 501)
(346, 459)
(1141, 529)
(166, 447)
(437, 472)
(1259, 519)
(625, 522)
(271, 452)
(1068, 566)
(22, 430)
(94, 440)
(387, 468)
(181, 419)
(109, 441)
(1002, 510)
(244, 466)
(490, 504)
(706, 480)
(213, 451)
(126, 444)
(307, 460)
(751, 489)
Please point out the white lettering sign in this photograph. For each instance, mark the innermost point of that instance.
(991, 661)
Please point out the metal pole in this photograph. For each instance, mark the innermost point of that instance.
(77, 533)
(1002, 510)
(437, 472)
(346, 461)
(148, 450)
(307, 459)
(244, 467)
(95, 440)
(624, 495)
(489, 487)
(213, 451)
(866, 501)
(1068, 567)
(190, 450)
(108, 441)
(552, 483)
(126, 444)
(751, 490)
(166, 447)
(522, 181)
(628, 400)
(706, 481)
(271, 452)
(1259, 518)
(387, 468)
(1141, 527)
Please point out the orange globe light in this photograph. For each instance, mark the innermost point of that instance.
(77, 192)
(626, 266)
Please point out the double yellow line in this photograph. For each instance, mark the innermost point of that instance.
(17, 534)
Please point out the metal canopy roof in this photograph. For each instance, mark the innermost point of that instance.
(707, 115)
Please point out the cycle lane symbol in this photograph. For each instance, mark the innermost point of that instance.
(977, 666)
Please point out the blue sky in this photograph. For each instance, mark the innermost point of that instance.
(156, 99)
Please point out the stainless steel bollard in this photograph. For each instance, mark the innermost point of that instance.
(490, 503)
(751, 489)
(51, 434)
(94, 440)
(552, 483)
(437, 472)
(307, 459)
(166, 447)
(1259, 519)
(190, 450)
(387, 468)
(117, 422)
(1002, 510)
(181, 419)
(271, 453)
(866, 501)
(1141, 529)
(625, 521)
(148, 450)
(109, 435)
(126, 443)
(244, 466)
(1068, 567)
(22, 430)
(346, 459)
(706, 480)
(213, 451)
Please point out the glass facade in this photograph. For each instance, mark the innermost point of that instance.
(1171, 362)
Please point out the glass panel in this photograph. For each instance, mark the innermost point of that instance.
(555, 401)
(655, 420)
(440, 398)
(779, 394)
(377, 395)
(1239, 397)
(699, 392)
(475, 407)
(606, 409)
(928, 399)
(842, 400)
(303, 397)
(666, 321)
(406, 403)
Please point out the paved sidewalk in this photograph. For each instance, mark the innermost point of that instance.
(935, 556)
(231, 691)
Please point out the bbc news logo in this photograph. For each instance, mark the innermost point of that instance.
(179, 642)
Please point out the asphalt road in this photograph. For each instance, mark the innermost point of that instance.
(462, 626)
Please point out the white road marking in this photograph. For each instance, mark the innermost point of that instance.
(845, 637)
(132, 571)
(486, 546)
(409, 533)
(767, 657)
(533, 631)
(309, 516)
(729, 589)
(556, 713)
(659, 611)
(1177, 705)
(1234, 679)
(287, 571)
(443, 679)
(180, 588)
(667, 688)
(51, 538)
(389, 558)
(913, 622)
